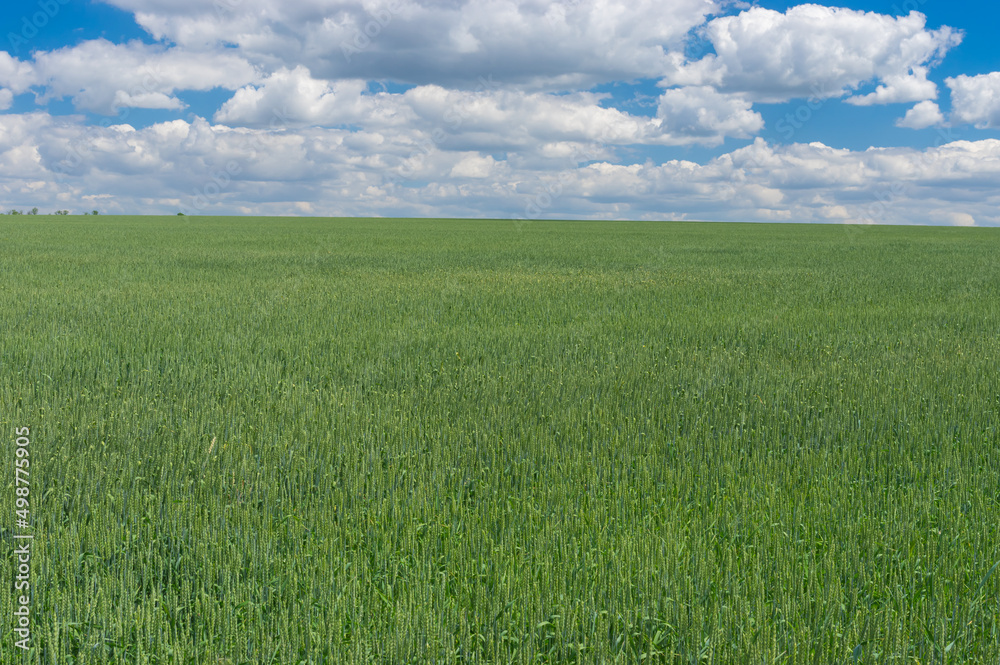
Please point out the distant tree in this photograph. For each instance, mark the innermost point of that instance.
(180, 214)
(94, 213)
(34, 211)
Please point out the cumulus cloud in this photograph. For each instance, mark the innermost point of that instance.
(704, 113)
(923, 115)
(6, 99)
(523, 43)
(491, 117)
(954, 218)
(102, 77)
(474, 166)
(294, 97)
(817, 51)
(15, 74)
(976, 100)
(899, 88)
(204, 167)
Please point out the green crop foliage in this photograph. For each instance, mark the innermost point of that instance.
(441, 441)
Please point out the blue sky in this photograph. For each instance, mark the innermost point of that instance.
(854, 112)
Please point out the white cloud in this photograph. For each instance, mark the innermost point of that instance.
(52, 162)
(834, 213)
(294, 97)
(103, 77)
(6, 99)
(899, 88)
(489, 118)
(703, 112)
(820, 52)
(954, 218)
(474, 166)
(923, 115)
(146, 100)
(522, 43)
(976, 99)
(15, 74)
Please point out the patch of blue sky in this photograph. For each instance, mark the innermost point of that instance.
(202, 103)
(841, 125)
(639, 97)
(392, 87)
(25, 103)
(46, 25)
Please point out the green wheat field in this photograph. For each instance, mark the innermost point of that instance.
(278, 440)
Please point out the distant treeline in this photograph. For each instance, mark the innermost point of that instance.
(34, 211)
